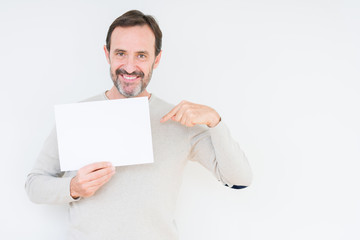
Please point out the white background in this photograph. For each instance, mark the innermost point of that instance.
(284, 75)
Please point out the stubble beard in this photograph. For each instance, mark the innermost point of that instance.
(121, 86)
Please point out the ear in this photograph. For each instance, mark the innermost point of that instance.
(157, 59)
(107, 54)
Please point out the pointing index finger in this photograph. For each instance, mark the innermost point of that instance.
(171, 113)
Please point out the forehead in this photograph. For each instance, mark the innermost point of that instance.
(136, 38)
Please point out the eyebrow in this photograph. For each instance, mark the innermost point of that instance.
(119, 50)
(141, 52)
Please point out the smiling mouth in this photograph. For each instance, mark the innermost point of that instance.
(129, 77)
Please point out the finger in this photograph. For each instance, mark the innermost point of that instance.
(88, 188)
(100, 181)
(171, 113)
(183, 120)
(183, 112)
(94, 166)
(189, 117)
(179, 114)
(189, 123)
(100, 173)
(90, 191)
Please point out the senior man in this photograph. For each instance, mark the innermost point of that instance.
(138, 201)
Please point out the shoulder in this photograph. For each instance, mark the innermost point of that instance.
(158, 104)
(99, 97)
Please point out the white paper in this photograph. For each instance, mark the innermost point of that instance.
(117, 131)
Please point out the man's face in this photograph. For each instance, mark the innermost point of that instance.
(132, 59)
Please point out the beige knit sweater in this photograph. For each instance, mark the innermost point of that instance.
(139, 201)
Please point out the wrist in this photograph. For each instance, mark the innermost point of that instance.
(215, 122)
(73, 193)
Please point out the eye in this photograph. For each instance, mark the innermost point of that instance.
(120, 54)
(142, 56)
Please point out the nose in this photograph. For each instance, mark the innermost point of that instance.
(129, 65)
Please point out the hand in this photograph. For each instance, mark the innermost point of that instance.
(90, 178)
(190, 114)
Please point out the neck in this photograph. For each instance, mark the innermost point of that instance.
(113, 93)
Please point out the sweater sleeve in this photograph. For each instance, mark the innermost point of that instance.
(46, 183)
(215, 149)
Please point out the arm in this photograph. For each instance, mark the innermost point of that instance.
(47, 184)
(215, 149)
(212, 146)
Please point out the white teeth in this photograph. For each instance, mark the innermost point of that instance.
(129, 78)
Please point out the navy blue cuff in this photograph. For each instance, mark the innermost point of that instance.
(236, 186)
